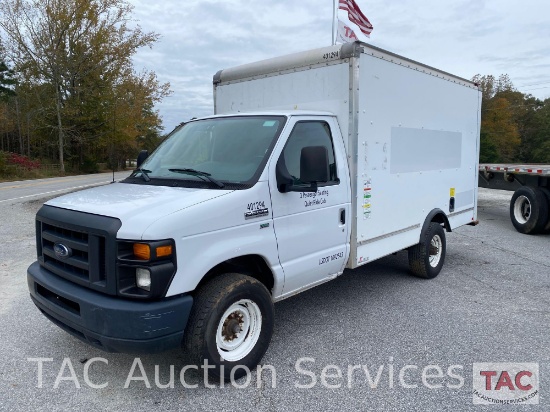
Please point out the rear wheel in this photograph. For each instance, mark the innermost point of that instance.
(426, 258)
(547, 194)
(529, 210)
(230, 326)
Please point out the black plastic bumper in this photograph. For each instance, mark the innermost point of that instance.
(110, 323)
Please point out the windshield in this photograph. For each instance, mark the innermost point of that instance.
(217, 152)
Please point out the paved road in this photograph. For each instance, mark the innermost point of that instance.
(489, 304)
(15, 192)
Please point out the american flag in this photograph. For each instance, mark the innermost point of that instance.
(356, 16)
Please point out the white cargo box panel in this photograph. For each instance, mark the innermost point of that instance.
(316, 80)
(411, 133)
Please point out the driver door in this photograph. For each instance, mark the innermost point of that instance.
(312, 227)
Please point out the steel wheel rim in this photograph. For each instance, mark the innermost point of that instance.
(522, 209)
(238, 330)
(436, 250)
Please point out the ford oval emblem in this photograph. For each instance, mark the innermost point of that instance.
(62, 251)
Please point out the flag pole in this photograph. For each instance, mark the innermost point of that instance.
(334, 22)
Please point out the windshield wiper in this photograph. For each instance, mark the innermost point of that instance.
(143, 174)
(199, 174)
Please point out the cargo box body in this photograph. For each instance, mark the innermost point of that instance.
(411, 134)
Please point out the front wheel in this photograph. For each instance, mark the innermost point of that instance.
(426, 258)
(230, 326)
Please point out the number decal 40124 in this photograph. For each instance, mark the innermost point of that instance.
(256, 205)
(256, 209)
(330, 55)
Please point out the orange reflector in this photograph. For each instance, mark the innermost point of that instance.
(164, 251)
(142, 251)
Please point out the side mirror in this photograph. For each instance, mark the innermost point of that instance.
(314, 168)
(314, 165)
(144, 154)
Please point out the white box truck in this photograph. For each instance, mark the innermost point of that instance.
(314, 162)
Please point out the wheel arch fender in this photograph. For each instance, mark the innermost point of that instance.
(252, 265)
(436, 215)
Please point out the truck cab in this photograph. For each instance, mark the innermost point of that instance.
(264, 196)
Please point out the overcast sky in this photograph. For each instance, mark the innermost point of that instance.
(463, 37)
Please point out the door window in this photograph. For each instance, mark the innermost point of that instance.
(304, 134)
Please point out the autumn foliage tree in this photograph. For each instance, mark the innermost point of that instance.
(500, 128)
(515, 127)
(79, 90)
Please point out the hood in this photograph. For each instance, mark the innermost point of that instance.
(137, 206)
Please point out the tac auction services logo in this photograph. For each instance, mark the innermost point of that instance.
(505, 383)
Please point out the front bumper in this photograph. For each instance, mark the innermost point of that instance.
(110, 323)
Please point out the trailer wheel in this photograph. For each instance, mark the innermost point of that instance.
(230, 326)
(426, 258)
(529, 210)
(547, 194)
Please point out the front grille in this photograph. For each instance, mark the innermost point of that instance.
(87, 260)
(91, 240)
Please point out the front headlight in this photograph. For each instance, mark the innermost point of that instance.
(145, 268)
(143, 279)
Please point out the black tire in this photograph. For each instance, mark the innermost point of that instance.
(419, 255)
(547, 194)
(529, 210)
(211, 303)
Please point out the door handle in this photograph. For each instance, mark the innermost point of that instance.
(343, 216)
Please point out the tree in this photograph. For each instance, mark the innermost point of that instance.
(498, 126)
(7, 92)
(78, 49)
(540, 143)
(487, 150)
(7, 81)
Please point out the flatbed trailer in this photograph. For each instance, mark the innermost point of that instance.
(530, 203)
